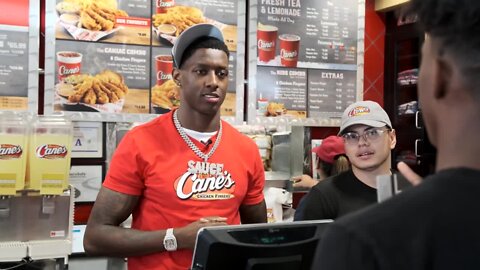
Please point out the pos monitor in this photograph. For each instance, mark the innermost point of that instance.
(274, 246)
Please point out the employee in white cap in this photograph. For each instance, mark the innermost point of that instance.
(369, 138)
(182, 171)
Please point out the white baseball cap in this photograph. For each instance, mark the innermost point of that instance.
(189, 36)
(365, 112)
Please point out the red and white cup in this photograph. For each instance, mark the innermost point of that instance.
(164, 65)
(266, 42)
(163, 5)
(289, 49)
(68, 63)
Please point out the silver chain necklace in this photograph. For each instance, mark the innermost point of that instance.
(189, 142)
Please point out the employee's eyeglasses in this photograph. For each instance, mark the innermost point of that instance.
(370, 135)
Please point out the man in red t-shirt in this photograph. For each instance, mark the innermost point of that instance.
(185, 170)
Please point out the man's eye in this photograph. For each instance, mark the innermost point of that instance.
(372, 133)
(201, 71)
(222, 73)
(351, 136)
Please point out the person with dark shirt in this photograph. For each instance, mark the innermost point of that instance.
(330, 160)
(369, 139)
(434, 225)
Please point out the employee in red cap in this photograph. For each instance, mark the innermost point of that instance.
(369, 138)
(331, 160)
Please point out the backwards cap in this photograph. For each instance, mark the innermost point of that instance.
(331, 147)
(189, 36)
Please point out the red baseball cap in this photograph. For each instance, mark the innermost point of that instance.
(331, 147)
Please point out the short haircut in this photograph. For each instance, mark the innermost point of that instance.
(203, 43)
(455, 27)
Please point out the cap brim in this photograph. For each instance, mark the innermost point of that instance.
(190, 35)
(371, 123)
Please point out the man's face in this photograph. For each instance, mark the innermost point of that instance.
(204, 81)
(426, 84)
(371, 151)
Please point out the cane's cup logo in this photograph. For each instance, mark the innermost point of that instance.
(163, 77)
(266, 42)
(51, 151)
(164, 65)
(163, 5)
(289, 46)
(10, 151)
(68, 63)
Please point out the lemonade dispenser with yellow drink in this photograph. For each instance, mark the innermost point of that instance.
(49, 155)
(13, 152)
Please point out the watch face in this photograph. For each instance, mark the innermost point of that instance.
(170, 244)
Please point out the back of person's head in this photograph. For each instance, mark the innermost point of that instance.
(331, 156)
(340, 165)
(199, 36)
(455, 27)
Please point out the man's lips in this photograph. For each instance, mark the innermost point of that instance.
(365, 154)
(211, 97)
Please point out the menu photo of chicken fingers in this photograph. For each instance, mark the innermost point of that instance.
(103, 92)
(89, 20)
(165, 97)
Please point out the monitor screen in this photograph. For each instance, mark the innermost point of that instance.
(272, 246)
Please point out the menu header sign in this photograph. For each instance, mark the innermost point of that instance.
(309, 49)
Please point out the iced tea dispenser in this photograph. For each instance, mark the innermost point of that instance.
(49, 155)
(13, 152)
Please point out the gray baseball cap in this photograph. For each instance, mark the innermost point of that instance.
(365, 112)
(189, 36)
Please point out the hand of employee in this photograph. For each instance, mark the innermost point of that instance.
(187, 235)
(409, 174)
(304, 181)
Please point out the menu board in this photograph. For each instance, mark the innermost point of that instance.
(310, 48)
(14, 56)
(114, 56)
(13, 68)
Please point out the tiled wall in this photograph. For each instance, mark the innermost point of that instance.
(374, 53)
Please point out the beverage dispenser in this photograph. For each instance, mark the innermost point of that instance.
(50, 147)
(13, 152)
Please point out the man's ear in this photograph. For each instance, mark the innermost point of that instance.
(443, 77)
(176, 75)
(393, 138)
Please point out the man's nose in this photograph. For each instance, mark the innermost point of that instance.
(363, 139)
(212, 79)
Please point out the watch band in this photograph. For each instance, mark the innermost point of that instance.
(170, 242)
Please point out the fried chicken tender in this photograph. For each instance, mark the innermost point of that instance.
(105, 87)
(88, 22)
(275, 109)
(180, 16)
(99, 17)
(166, 95)
(80, 90)
(105, 24)
(90, 97)
(102, 97)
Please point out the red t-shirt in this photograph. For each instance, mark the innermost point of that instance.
(177, 188)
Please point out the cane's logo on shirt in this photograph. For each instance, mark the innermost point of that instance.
(205, 181)
(359, 110)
